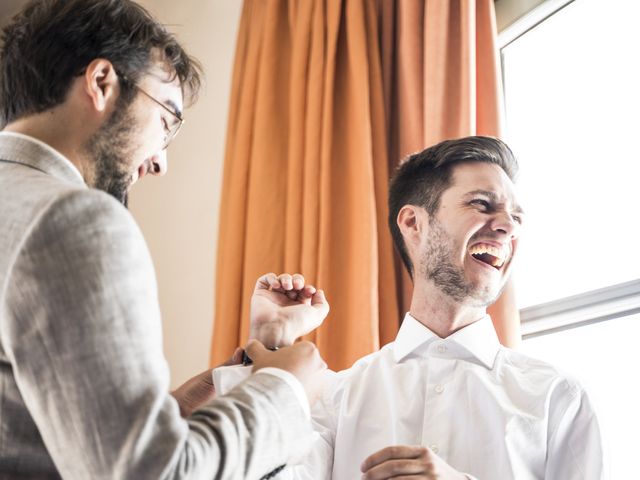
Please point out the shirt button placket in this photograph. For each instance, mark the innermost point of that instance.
(436, 434)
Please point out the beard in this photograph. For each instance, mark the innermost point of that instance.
(111, 148)
(438, 266)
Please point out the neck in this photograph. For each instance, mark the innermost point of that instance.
(54, 128)
(439, 312)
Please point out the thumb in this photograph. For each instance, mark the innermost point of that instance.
(255, 350)
(319, 301)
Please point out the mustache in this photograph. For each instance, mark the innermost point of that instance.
(490, 235)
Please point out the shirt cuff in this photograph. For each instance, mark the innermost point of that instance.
(293, 382)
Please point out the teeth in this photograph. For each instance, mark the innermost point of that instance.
(496, 262)
(491, 255)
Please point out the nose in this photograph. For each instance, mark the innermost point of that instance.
(504, 222)
(159, 163)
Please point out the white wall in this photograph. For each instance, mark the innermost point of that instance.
(178, 213)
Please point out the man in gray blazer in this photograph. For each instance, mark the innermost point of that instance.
(91, 94)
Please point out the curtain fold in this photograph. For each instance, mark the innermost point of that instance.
(306, 172)
(327, 96)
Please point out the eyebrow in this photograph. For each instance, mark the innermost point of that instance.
(175, 108)
(494, 198)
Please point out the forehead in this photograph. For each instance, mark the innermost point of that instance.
(471, 177)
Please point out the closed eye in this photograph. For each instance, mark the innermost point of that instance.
(484, 205)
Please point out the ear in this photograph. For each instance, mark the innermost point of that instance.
(412, 221)
(100, 82)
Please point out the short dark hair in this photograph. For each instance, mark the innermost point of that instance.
(51, 41)
(422, 177)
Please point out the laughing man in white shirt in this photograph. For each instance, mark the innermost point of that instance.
(445, 397)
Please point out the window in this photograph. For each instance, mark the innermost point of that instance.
(572, 100)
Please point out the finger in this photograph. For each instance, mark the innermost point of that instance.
(306, 294)
(397, 467)
(235, 359)
(308, 291)
(298, 281)
(266, 281)
(286, 281)
(392, 453)
(292, 294)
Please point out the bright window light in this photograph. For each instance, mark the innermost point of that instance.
(572, 97)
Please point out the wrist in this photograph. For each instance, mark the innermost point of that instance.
(272, 334)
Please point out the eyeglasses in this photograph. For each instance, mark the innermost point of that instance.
(170, 130)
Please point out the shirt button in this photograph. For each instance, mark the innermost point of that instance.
(439, 388)
(441, 349)
(434, 449)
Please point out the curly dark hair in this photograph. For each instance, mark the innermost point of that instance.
(51, 41)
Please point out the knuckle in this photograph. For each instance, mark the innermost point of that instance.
(428, 466)
(400, 466)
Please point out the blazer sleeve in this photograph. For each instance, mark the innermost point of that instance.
(317, 462)
(82, 329)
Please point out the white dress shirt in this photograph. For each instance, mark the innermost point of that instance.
(490, 412)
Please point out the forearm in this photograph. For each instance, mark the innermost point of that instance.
(257, 427)
(194, 393)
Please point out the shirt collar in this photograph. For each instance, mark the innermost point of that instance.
(476, 342)
(29, 151)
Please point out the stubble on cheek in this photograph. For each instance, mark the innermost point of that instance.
(437, 264)
(111, 149)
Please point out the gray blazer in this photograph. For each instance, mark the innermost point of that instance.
(84, 385)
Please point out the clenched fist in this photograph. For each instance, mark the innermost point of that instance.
(283, 309)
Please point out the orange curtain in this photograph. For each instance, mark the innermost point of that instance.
(326, 97)
(306, 172)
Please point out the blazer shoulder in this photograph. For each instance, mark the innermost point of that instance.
(83, 223)
(87, 212)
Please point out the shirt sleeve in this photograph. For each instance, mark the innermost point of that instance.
(575, 445)
(81, 327)
(317, 464)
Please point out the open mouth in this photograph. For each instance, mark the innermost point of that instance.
(489, 254)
